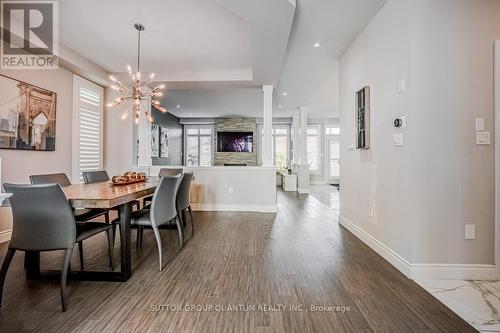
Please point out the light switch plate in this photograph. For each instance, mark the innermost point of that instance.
(401, 85)
(470, 231)
(398, 139)
(483, 138)
(479, 124)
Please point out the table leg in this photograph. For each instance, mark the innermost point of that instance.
(125, 250)
(32, 264)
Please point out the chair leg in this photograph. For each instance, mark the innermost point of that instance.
(180, 229)
(191, 218)
(158, 244)
(184, 218)
(137, 238)
(141, 237)
(111, 246)
(106, 217)
(114, 232)
(80, 251)
(3, 272)
(64, 277)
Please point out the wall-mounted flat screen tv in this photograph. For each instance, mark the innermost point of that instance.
(236, 142)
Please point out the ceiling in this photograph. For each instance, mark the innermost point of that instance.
(310, 75)
(190, 42)
(214, 55)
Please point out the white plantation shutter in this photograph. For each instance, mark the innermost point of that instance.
(281, 146)
(198, 147)
(88, 114)
(313, 148)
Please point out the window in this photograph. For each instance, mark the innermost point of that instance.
(198, 146)
(313, 148)
(281, 145)
(332, 131)
(87, 127)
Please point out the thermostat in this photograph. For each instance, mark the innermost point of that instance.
(400, 122)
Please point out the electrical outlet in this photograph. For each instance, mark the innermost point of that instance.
(470, 231)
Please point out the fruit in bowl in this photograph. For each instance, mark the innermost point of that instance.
(129, 177)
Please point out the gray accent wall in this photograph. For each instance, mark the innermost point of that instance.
(175, 138)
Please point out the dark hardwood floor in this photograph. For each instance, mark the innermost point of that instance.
(299, 256)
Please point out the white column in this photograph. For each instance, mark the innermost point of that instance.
(144, 138)
(301, 167)
(267, 140)
(303, 134)
(296, 138)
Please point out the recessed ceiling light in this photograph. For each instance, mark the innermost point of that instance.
(280, 106)
(316, 44)
(284, 94)
(178, 106)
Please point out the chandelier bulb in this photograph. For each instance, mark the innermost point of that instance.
(152, 76)
(125, 115)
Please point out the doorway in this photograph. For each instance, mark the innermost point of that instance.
(333, 160)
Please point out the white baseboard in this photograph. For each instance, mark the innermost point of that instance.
(235, 208)
(392, 257)
(454, 271)
(5, 235)
(422, 270)
(303, 190)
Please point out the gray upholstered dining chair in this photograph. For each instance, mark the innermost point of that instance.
(162, 173)
(170, 172)
(90, 177)
(182, 200)
(162, 212)
(43, 220)
(81, 215)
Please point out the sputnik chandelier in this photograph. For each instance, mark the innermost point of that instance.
(139, 92)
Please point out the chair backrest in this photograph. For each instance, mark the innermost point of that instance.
(163, 206)
(52, 178)
(42, 218)
(170, 172)
(95, 176)
(183, 191)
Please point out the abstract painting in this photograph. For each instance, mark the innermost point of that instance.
(164, 142)
(27, 116)
(363, 118)
(155, 144)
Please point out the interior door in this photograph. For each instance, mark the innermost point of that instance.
(333, 167)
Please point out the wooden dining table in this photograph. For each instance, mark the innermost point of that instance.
(101, 195)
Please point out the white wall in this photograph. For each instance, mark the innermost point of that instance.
(224, 188)
(451, 84)
(377, 177)
(426, 191)
(120, 148)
